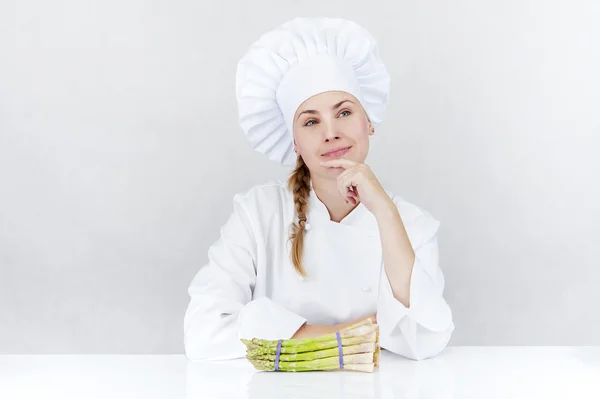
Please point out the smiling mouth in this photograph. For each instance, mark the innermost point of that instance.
(337, 153)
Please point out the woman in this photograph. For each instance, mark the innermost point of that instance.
(330, 246)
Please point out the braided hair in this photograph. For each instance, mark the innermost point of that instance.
(299, 184)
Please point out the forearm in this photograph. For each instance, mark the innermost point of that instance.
(313, 330)
(398, 254)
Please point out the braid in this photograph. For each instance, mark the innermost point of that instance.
(299, 183)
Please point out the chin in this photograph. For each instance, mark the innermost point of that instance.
(334, 172)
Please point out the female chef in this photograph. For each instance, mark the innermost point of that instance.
(330, 246)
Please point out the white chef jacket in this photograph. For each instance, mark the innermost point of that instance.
(249, 287)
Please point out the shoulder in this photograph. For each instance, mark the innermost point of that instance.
(270, 193)
(421, 226)
(264, 201)
(265, 206)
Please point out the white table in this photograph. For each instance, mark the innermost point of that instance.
(458, 372)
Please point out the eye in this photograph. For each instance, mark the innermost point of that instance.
(312, 120)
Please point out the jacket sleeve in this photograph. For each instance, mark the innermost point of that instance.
(221, 309)
(424, 329)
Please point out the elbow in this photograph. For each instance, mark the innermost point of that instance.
(431, 345)
(198, 349)
(206, 339)
(195, 350)
(425, 345)
(425, 353)
(199, 340)
(199, 346)
(196, 336)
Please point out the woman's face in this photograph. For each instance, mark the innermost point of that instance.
(328, 121)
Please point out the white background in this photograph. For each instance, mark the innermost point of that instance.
(120, 152)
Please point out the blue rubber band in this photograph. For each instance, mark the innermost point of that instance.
(277, 355)
(341, 353)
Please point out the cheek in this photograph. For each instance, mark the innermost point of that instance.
(360, 128)
(361, 132)
(306, 148)
(362, 140)
(365, 127)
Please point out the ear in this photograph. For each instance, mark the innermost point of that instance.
(371, 129)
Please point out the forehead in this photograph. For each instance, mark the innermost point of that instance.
(324, 101)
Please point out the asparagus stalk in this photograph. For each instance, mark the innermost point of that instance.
(377, 349)
(329, 363)
(360, 351)
(350, 331)
(364, 367)
(314, 346)
(260, 354)
(352, 336)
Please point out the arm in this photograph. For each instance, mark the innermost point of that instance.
(221, 309)
(415, 320)
(315, 330)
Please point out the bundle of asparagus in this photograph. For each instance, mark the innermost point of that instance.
(354, 348)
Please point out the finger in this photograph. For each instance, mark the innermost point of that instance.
(353, 200)
(340, 184)
(338, 163)
(344, 183)
(353, 193)
(351, 197)
(345, 173)
(349, 182)
(356, 197)
(341, 179)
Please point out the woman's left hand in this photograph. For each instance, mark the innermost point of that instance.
(358, 183)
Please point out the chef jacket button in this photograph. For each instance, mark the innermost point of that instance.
(366, 289)
(306, 226)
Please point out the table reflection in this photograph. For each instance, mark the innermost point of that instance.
(397, 377)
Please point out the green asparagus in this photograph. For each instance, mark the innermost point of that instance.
(329, 363)
(360, 351)
(261, 354)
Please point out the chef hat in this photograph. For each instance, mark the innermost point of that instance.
(297, 60)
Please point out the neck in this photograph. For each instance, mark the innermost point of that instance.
(327, 192)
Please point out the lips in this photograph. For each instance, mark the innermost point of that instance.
(337, 152)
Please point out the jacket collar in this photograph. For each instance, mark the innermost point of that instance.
(318, 214)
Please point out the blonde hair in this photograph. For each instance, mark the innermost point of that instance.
(299, 184)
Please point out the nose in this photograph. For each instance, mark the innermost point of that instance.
(331, 135)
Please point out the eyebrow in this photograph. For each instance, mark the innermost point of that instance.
(312, 111)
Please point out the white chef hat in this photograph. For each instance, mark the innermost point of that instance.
(297, 60)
